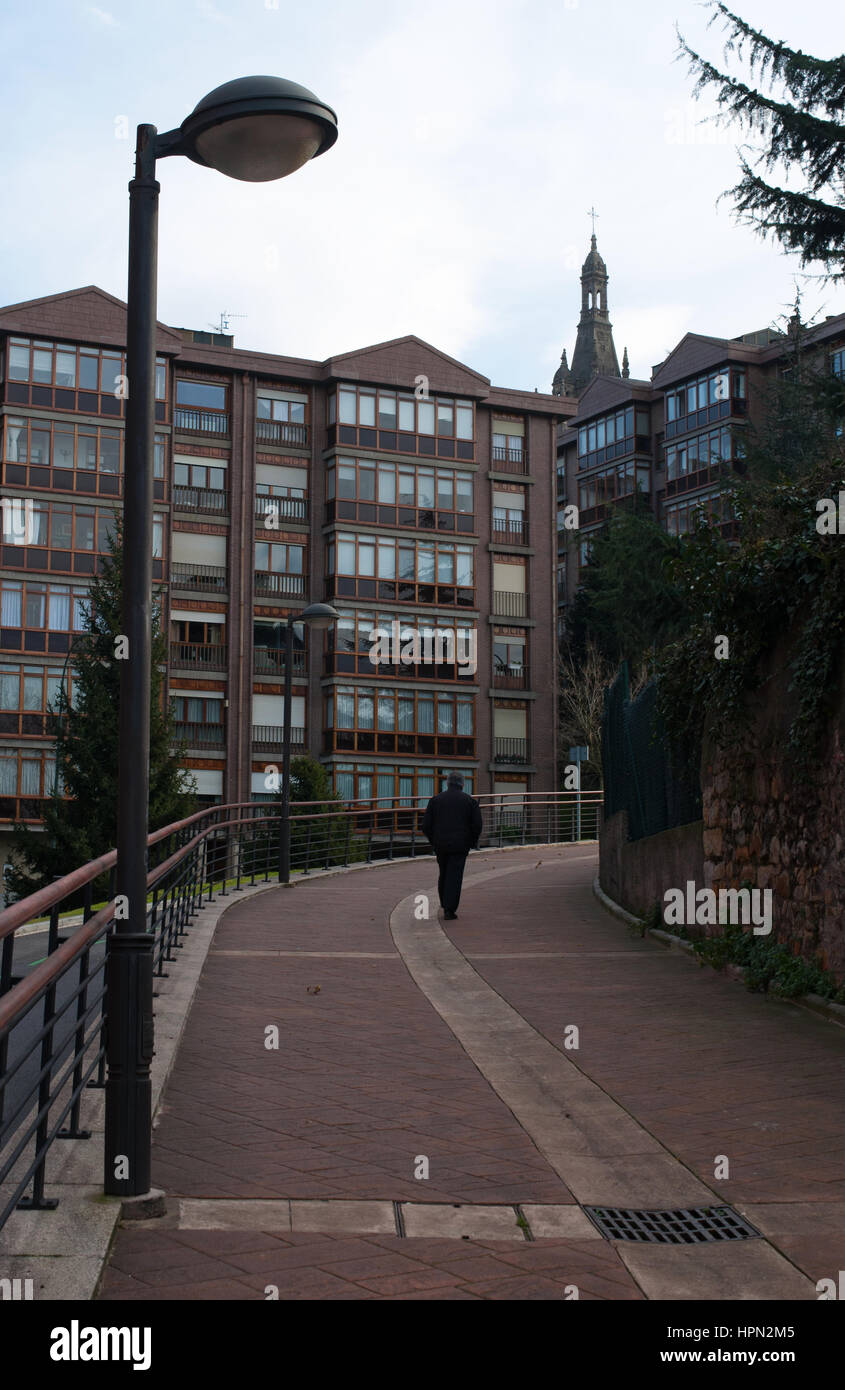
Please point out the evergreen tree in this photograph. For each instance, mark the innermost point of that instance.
(321, 842)
(627, 604)
(81, 822)
(800, 124)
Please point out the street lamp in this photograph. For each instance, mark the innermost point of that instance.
(253, 129)
(318, 616)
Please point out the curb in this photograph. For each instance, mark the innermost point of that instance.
(813, 1003)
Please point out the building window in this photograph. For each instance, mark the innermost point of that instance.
(441, 425)
(396, 495)
(681, 517)
(382, 720)
(701, 454)
(717, 392)
(200, 475)
(28, 604)
(388, 567)
(408, 786)
(279, 568)
(64, 448)
(609, 485)
(201, 406)
(293, 412)
(348, 645)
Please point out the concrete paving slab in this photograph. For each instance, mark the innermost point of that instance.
(343, 1218)
(559, 1222)
(83, 1222)
(456, 1222)
(196, 1214)
(749, 1270)
(795, 1218)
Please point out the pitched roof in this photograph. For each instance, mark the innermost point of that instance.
(399, 361)
(87, 315)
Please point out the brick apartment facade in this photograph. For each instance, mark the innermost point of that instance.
(675, 437)
(393, 482)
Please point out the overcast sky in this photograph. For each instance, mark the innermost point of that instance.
(475, 135)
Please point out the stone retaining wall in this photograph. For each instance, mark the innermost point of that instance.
(636, 873)
(772, 824)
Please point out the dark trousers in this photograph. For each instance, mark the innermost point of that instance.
(451, 866)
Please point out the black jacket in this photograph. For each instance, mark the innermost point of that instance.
(452, 822)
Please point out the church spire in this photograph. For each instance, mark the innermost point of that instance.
(595, 354)
(626, 370)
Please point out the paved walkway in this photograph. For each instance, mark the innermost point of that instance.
(442, 1105)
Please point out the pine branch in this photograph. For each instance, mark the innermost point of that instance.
(813, 81)
(816, 143)
(814, 229)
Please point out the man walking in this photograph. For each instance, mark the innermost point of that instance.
(452, 824)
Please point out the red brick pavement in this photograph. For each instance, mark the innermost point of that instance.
(367, 1077)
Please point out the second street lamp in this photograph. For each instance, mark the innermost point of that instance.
(318, 616)
(254, 129)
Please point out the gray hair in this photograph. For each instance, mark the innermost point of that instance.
(454, 780)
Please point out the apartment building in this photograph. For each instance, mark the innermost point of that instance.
(393, 481)
(675, 438)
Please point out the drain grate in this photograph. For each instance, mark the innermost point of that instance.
(689, 1227)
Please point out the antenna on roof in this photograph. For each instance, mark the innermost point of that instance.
(225, 316)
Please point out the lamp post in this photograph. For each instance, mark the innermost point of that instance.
(318, 616)
(254, 129)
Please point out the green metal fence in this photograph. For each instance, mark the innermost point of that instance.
(658, 786)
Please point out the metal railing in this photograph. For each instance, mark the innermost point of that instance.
(278, 509)
(268, 582)
(509, 460)
(511, 678)
(199, 656)
(197, 735)
(201, 499)
(54, 1014)
(209, 578)
(511, 750)
(270, 736)
(507, 604)
(271, 661)
(201, 421)
(277, 432)
(510, 533)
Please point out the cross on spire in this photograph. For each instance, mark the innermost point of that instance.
(592, 213)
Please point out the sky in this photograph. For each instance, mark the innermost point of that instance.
(475, 137)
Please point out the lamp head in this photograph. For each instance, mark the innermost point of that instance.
(257, 128)
(319, 616)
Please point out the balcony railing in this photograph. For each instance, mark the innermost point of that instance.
(269, 583)
(198, 656)
(271, 736)
(509, 605)
(277, 432)
(201, 499)
(201, 421)
(510, 532)
(509, 460)
(510, 750)
(511, 678)
(283, 508)
(210, 578)
(270, 661)
(200, 735)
